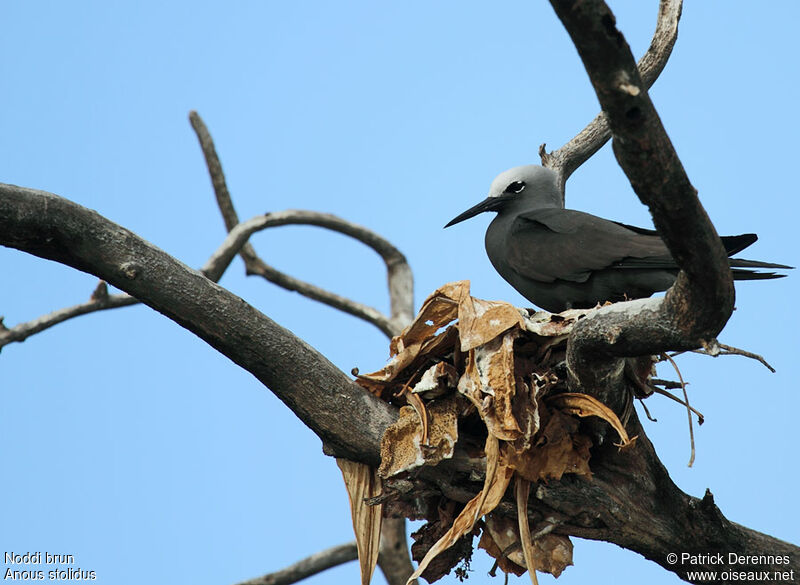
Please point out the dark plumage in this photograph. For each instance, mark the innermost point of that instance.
(560, 258)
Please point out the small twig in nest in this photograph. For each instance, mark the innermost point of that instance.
(688, 407)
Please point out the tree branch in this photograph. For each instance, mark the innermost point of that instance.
(100, 300)
(588, 141)
(314, 389)
(123, 260)
(397, 565)
(316, 563)
(22, 331)
(700, 302)
(399, 275)
(394, 559)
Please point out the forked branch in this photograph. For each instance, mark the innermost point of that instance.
(400, 278)
(588, 141)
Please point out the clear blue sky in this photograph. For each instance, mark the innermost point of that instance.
(132, 445)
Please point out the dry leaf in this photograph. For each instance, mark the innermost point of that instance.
(480, 321)
(498, 476)
(522, 488)
(559, 449)
(362, 482)
(584, 405)
(439, 309)
(500, 539)
(551, 553)
(489, 384)
(401, 445)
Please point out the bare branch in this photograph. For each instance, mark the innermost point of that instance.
(700, 302)
(22, 331)
(101, 300)
(400, 278)
(700, 418)
(588, 141)
(215, 171)
(394, 559)
(316, 563)
(400, 283)
(51, 227)
(730, 350)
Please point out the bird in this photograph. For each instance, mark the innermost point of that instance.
(563, 259)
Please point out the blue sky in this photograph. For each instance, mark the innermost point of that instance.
(132, 445)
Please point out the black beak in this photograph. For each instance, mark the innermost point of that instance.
(488, 204)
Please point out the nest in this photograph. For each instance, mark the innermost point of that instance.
(490, 378)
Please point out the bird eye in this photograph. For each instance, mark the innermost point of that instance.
(515, 187)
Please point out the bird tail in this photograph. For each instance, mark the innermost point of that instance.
(739, 268)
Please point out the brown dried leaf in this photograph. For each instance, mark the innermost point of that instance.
(376, 382)
(551, 553)
(489, 384)
(500, 539)
(498, 476)
(559, 449)
(384, 382)
(401, 448)
(439, 309)
(481, 321)
(362, 482)
(429, 533)
(422, 415)
(584, 405)
(522, 488)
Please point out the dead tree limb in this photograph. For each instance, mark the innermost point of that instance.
(399, 275)
(396, 566)
(395, 559)
(588, 141)
(314, 389)
(316, 563)
(23, 331)
(700, 302)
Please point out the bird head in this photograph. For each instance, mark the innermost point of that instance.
(517, 189)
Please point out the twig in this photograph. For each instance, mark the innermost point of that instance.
(647, 410)
(730, 350)
(588, 141)
(400, 278)
(665, 383)
(22, 331)
(100, 300)
(700, 418)
(215, 171)
(316, 563)
(688, 407)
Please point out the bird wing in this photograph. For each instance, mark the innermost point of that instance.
(564, 244)
(733, 244)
